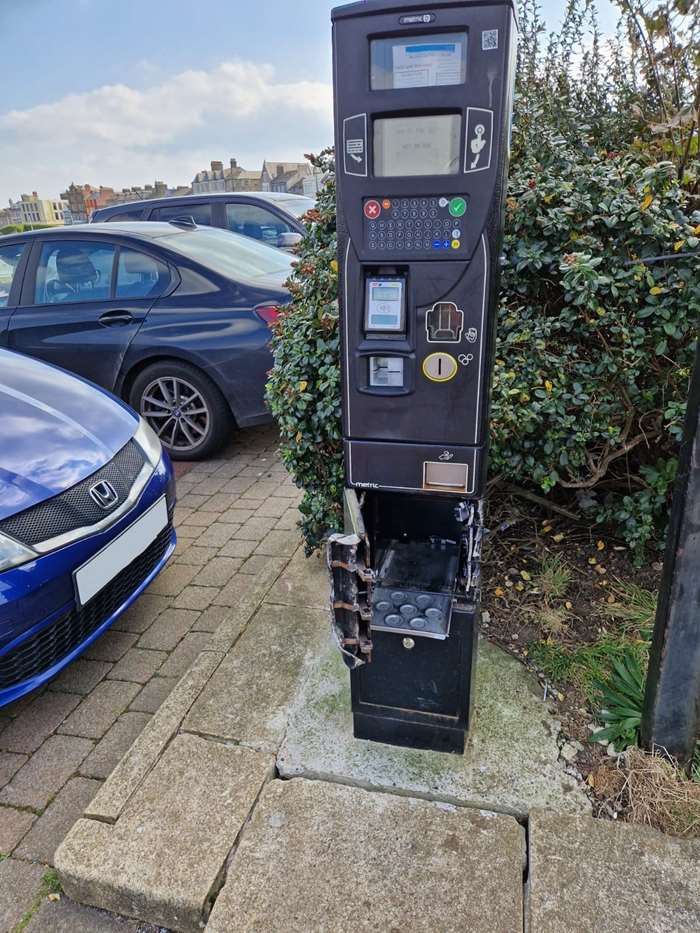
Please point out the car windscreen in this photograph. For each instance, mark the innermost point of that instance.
(229, 254)
(293, 206)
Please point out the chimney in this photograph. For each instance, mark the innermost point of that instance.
(233, 163)
(34, 194)
(217, 166)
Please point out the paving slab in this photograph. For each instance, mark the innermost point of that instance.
(65, 916)
(138, 665)
(111, 646)
(168, 629)
(248, 697)
(46, 772)
(19, 885)
(153, 695)
(14, 824)
(100, 709)
(510, 764)
(143, 754)
(326, 857)
(162, 861)
(303, 583)
(10, 763)
(114, 744)
(81, 676)
(599, 876)
(50, 828)
(37, 721)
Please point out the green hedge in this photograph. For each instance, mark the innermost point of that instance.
(593, 353)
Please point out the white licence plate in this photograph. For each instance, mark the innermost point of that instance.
(115, 556)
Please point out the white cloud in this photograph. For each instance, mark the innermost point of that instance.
(117, 135)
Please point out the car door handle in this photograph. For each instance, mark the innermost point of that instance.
(113, 318)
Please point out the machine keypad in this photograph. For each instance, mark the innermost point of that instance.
(414, 225)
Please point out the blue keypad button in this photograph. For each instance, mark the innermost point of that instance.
(437, 244)
(446, 244)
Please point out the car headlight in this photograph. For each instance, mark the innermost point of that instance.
(147, 439)
(12, 553)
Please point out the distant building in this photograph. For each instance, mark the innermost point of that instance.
(31, 209)
(76, 197)
(314, 182)
(137, 193)
(284, 176)
(218, 178)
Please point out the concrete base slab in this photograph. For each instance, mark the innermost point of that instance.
(323, 857)
(163, 859)
(595, 876)
(248, 697)
(510, 764)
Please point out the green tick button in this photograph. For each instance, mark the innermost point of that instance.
(457, 207)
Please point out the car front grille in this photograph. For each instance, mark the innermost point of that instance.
(55, 641)
(75, 508)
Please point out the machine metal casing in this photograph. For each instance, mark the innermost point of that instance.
(415, 397)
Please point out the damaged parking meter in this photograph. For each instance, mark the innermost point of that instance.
(423, 98)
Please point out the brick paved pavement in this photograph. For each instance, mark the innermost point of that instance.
(236, 520)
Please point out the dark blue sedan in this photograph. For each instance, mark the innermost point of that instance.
(86, 502)
(172, 317)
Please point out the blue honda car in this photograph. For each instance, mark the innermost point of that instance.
(86, 502)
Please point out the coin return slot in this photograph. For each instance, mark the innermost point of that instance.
(444, 322)
(386, 371)
(454, 476)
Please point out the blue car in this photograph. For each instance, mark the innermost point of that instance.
(172, 317)
(86, 503)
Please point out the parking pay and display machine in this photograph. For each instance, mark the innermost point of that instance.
(423, 97)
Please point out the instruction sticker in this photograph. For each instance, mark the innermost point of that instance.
(427, 64)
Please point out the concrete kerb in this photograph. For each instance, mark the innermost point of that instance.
(139, 760)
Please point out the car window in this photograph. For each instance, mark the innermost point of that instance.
(235, 257)
(127, 215)
(74, 270)
(9, 260)
(256, 222)
(200, 213)
(295, 206)
(140, 275)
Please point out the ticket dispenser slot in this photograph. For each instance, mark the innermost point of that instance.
(422, 100)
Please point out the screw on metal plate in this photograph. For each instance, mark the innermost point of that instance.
(409, 643)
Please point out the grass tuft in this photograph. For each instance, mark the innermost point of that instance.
(554, 577)
(634, 607)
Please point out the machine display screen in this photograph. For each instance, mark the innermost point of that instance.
(418, 61)
(427, 145)
(385, 305)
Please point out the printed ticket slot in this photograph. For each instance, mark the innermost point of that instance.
(422, 108)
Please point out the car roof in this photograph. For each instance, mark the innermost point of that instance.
(150, 230)
(205, 196)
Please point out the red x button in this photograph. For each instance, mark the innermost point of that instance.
(372, 209)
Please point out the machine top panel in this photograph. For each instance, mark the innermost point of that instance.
(409, 7)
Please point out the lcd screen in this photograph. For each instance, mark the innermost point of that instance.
(427, 145)
(421, 61)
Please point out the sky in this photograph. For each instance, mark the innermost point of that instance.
(123, 92)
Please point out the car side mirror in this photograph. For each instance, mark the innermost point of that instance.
(288, 240)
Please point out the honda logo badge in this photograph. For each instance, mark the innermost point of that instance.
(104, 494)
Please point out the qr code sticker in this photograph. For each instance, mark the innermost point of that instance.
(489, 40)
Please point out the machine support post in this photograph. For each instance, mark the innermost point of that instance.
(671, 718)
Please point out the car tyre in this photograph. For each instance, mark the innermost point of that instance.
(184, 407)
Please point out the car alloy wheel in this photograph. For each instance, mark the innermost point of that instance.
(177, 412)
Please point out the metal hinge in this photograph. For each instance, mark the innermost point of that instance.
(470, 513)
